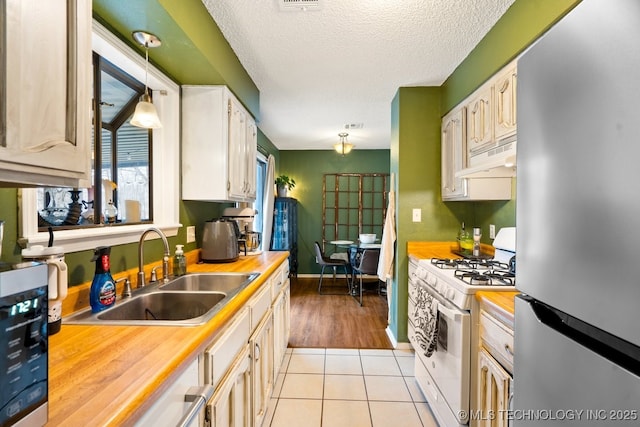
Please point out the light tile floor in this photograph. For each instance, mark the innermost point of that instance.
(348, 388)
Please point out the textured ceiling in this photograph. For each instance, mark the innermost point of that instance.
(320, 70)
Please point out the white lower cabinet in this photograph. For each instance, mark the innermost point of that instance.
(281, 326)
(494, 366)
(238, 364)
(494, 387)
(169, 408)
(261, 344)
(230, 405)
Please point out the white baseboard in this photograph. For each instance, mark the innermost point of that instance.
(395, 343)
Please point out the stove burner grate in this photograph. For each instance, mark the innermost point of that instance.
(447, 263)
(485, 278)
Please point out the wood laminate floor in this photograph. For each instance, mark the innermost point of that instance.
(336, 321)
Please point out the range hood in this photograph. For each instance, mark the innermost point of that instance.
(496, 162)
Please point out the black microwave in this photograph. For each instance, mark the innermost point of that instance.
(23, 345)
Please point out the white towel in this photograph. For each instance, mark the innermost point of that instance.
(387, 250)
(426, 321)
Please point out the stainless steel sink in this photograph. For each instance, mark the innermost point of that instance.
(164, 306)
(210, 282)
(188, 300)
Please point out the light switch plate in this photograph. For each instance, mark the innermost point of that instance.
(191, 234)
(492, 231)
(417, 215)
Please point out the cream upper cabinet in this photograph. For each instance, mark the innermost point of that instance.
(218, 146)
(45, 99)
(453, 153)
(479, 119)
(251, 158)
(504, 99)
(453, 160)
(237, 149)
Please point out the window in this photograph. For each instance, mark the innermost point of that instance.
(353, 203)
(122, 154)
(124, 166)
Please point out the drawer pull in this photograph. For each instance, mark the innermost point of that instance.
(508, 350)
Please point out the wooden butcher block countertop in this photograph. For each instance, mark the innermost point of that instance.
(500, 305)
(424, 250)
(110, 375)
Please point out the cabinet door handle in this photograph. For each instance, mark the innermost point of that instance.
(257, 352)
(507, 348)
(198, 396)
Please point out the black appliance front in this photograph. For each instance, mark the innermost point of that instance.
(24, 346)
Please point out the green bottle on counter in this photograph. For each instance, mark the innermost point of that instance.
(465, 242)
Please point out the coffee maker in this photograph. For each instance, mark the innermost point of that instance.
(244, 217)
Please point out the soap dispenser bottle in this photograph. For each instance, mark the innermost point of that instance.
(179, 262)
(103, 288)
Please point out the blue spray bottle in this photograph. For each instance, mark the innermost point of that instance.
(103, 288)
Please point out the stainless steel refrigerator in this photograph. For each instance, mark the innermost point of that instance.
(577, 329)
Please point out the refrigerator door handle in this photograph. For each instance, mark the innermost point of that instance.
(608, 346)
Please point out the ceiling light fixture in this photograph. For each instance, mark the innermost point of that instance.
(146, 115)
(343, 147)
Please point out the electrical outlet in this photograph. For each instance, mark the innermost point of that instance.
(492, 231)
(191, 234)
(417, 215)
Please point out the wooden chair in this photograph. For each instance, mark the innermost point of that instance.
(366, 262)
(325, 262)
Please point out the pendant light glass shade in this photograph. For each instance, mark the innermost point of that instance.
(343, 147)
(145, 115)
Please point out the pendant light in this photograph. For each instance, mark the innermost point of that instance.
(343, 147)
(146, 115)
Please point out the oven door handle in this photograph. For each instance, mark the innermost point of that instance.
(450, 313)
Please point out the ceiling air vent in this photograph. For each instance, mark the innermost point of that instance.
(354, 126)
(299, 5)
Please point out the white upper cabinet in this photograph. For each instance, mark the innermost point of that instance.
(45, 100)
(479, 121)
(453, 153)
(504, 96)
(219, 144)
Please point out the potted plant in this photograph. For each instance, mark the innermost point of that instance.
(284, 184)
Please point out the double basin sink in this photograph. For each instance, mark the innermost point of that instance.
(187, 300)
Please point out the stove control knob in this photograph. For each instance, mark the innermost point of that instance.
(451, 294)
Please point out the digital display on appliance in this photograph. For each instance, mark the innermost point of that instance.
(23, 343)
(23, 307)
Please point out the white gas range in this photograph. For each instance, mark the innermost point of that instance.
(441, 292)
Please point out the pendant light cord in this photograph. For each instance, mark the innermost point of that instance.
(146, 68)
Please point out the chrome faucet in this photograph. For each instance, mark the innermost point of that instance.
(165, 257)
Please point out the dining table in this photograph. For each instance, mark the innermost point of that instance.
(353, 249)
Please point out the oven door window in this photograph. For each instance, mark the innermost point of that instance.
(443, 328)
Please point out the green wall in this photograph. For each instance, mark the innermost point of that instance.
(415, 142)
(415, 153)
(191, 37)
(307, 168)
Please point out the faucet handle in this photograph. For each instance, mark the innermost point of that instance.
(154, 275)
(126, 291)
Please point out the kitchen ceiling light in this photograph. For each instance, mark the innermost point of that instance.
(343, 147)
(145, 115)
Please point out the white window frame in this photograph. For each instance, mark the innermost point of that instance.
(166, 158)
